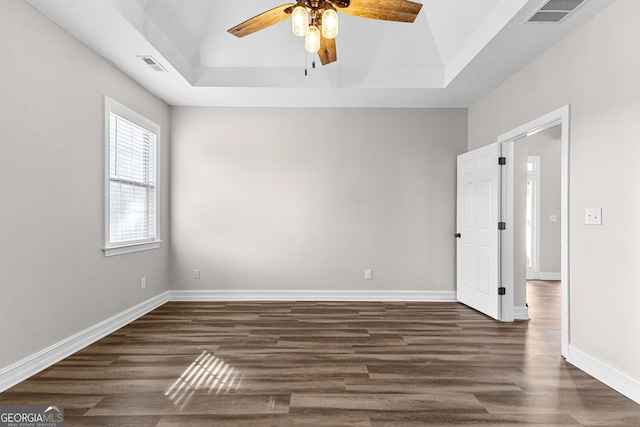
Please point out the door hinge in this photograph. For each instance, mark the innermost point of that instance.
(502, 226)
(502, 291)
(502, 161)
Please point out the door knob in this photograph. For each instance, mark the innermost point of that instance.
(458, 235)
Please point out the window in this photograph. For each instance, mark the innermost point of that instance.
(131, 181)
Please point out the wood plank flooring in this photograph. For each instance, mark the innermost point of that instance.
(328, 364)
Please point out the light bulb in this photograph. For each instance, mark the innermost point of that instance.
(300, 21)
(312, 39)
(329, 24)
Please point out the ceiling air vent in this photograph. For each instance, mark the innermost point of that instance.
(151, 62)
(554, 11)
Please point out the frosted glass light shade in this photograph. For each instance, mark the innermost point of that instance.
(312, 40)
(300, 21)
(329, 24)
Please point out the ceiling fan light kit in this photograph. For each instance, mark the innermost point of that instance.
(330, 23)
(300, 20)
(317, 20)
(312, 39)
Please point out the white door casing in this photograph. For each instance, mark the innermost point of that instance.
(477, 246)
(559, 116)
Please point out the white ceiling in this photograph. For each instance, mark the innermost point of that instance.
(455, 52)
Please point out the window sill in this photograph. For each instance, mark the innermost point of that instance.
(127, 249)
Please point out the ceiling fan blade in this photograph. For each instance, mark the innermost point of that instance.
(262, 21)
(327, 52)
(387, 10)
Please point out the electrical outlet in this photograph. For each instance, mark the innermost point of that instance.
(143, 283)
(593, 216)
(367, 274)
(196, 274)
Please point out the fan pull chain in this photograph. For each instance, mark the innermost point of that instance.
(313, 63)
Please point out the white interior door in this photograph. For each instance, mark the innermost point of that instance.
(477, 229)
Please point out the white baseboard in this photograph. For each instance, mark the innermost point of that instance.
(550, 276)
(521, 313)
(605, 373)
(37, 362)
(41, 360)
(359, 296)
(31, 365)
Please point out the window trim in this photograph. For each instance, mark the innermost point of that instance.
(112, 249)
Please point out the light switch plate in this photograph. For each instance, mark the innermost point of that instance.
(593, 216)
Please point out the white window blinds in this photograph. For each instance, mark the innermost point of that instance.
(131, 187)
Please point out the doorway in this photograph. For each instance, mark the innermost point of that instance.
(512, 254)
(532, 219)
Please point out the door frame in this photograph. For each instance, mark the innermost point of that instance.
(560, 116)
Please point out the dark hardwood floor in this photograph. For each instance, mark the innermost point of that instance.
(328, 364)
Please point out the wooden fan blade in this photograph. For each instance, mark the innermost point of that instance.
(327, 52)
(262, 21)
(387, 10)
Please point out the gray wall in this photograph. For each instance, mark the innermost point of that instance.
(306, 199)
(595, 69)
(54, 278)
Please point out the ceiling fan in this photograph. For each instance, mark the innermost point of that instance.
(317, 20)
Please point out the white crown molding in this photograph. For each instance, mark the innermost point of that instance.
(605, 373)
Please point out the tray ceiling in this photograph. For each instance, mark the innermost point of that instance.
(455, 52)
